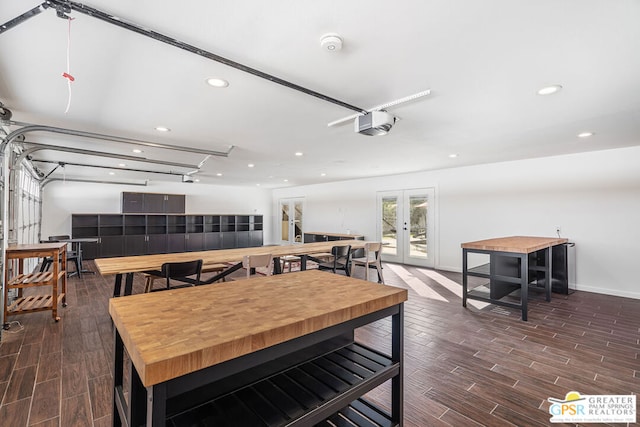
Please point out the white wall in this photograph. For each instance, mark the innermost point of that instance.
(61, 199)
(594, 197)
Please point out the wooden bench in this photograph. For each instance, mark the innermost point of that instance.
(210, 268)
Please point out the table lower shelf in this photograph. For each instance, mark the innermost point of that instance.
(33, 303)
(297, 395)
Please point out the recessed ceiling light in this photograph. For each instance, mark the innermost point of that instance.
(196, 180)
(258, 185)
(121, 165)
(218, 174)
(112, 173)
(137, 150)
(163, 129)
(217, 82)
(585, 134)
(323, 174)
(250, 165)
(453, 155)
(298, 154)
(285, 180)
(548, 90)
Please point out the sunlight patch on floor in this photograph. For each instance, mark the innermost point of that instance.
(454, 287)
(415, 283)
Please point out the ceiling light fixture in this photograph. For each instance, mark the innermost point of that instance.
(250, 165)
(585, 134)
(137, 150)
(162, 129)
(217, 82)
(218, 174)
(453, 155)
(548, 90)
(299, 154)
(323, 174)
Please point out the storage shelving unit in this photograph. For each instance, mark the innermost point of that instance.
(17, 278)
(146, 234)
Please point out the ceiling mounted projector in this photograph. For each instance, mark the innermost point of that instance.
(374, 123)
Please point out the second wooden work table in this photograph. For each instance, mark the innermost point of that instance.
(141, 263)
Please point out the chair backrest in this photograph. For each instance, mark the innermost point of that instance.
(373, 248)
(181, 271)
(251, 262)
(70, 252)
(341, 256)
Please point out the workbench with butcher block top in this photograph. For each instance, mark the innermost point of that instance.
(128, 265)
(269, 351)
(515, 263)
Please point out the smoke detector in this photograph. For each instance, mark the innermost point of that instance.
(331, 42)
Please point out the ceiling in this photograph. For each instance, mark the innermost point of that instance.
(483, 62)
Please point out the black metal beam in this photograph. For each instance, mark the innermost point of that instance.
(87, 10)
(20, 19)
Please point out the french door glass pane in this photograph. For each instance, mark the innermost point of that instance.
(418, 226)
(390, 225)
(284, 217)
(298, 222)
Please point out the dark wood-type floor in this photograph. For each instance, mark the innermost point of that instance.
(463, 367)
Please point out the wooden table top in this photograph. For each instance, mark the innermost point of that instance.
(214, 323)
(517, 244)
(36, 250)
(119, 265)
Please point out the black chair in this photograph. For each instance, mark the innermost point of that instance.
(181, 272)
(341, 260)
(72, 256)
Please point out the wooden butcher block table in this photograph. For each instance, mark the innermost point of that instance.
(272, 351)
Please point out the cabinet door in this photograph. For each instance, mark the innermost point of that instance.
(132, 202)
(156, 244)
(174, 203)
(111, 246)
(255, 239)
(212, 241)
(195, 242)
(177, 242)
(154, 203)
(228, 240)
(90, 250)
(242, 239)
(135, 245)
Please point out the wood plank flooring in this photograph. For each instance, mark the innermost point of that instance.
(463, 367)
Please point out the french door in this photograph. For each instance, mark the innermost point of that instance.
(291, 220)
(406, 226)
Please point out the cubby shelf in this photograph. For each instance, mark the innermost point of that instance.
(145, 234)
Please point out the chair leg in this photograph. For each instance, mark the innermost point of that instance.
(380, 278)
(148, 283)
